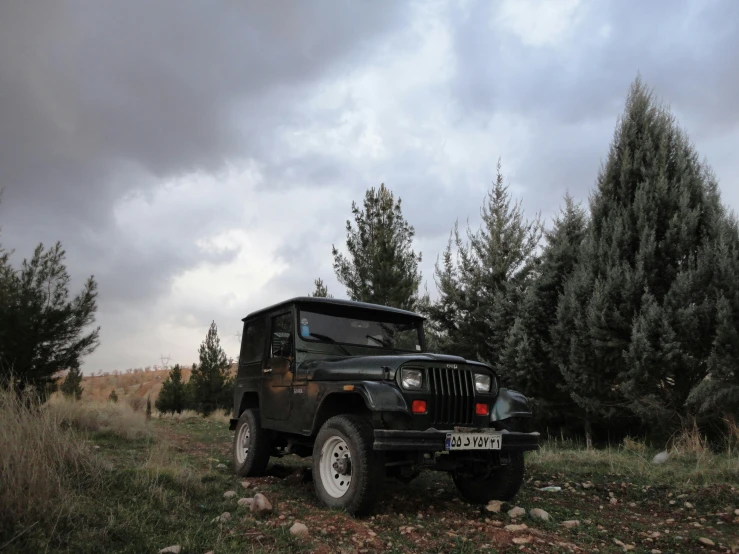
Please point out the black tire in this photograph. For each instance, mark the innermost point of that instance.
(257, 457)
(366, 469)
(502, 484)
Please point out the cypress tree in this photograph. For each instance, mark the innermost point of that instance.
(381, 266)
(211, 383)
(638, 317)
(172, 396)
(481, 287)
(321, 291)
(113, 396)
(71, 387)
(527, 359)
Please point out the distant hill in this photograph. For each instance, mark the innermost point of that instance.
(131, 383)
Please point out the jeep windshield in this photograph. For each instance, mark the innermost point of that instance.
(370, 330)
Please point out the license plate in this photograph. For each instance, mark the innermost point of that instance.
(473, 441)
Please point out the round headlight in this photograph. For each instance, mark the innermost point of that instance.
(412, 379)
(482, 382)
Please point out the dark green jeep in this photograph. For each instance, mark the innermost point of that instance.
(351, 385)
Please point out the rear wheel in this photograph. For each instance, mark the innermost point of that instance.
(501, 483)
(252, 444)
(347, 472)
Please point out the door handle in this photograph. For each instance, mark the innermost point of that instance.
(268, 370)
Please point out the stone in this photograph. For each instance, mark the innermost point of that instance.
(245, 484)
(521, 540)
(245, 501)
(661, 458)
(261, 505)
(516, 528)
(225, 516)
(174, 549)
(688, 505)
(707, 542)
(229, 494)
(613, 501)
(655, 551)
(221, 466)
(571, 523)
(299, 530)
(516, 512)
(539, 514)
(494, 506)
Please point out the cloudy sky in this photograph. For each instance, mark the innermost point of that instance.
(200, 162)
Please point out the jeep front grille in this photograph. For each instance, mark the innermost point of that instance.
(453, 393)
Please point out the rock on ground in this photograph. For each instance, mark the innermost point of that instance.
(229, 494)
(540, 514)
(494, 506)
(516, 528)
(521, 540)
(221, 466)
(174, 549)
(571, 523)
(707, 542)
(516, 512)
(661, 458)
(299, 530)
(261, 504)
(245, 501)
(225, 516)
(246, 484)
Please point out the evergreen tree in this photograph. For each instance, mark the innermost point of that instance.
(42, 330)
(72, 385)
(321, 290)
(381, 266)
(148, 408)
(481, 287)
(527, 359)
(113, 397)
(211, 383)
(172, 398)
(637, 323)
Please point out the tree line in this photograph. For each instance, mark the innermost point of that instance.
(621, 317)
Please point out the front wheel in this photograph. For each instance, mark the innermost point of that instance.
(347, 472)
(252, 445)
(501, 483)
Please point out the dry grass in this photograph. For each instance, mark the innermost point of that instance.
(41, 468)
(118, 418)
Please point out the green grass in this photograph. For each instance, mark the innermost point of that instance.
(163, 487)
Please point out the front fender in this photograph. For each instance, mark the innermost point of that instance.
(381, 397)
(510, 404)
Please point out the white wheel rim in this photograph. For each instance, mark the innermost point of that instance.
(336, 472)
(242, 443)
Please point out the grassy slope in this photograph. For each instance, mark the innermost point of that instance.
(161, 486)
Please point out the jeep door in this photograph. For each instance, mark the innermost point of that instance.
(278, 368)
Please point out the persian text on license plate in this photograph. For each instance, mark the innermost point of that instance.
(473, 441)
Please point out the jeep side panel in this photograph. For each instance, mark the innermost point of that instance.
(251, 357)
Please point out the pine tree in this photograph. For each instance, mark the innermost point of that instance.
(72, 385)
(42, 330)
(481, 287)
(321, 290)
(173, 396)
(211, 383)
(527, 359)
(381, 266)
(113, 396)
(637, 319)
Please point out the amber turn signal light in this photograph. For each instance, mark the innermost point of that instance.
(418, 407)
(481, 409)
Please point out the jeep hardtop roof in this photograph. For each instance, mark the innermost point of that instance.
(335, 302)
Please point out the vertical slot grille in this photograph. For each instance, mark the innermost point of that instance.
(452, 391)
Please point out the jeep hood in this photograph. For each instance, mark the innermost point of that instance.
(373, 368)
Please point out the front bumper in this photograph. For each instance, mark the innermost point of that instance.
(435, 441)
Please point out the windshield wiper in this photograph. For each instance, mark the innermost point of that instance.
(331, 341)
(379, 341)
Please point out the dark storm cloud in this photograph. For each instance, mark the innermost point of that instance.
(105, 99)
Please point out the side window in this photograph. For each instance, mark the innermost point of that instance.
(252, 343)
(282, 336)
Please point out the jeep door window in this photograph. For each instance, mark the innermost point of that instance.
(366, 332)
(281, 344)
